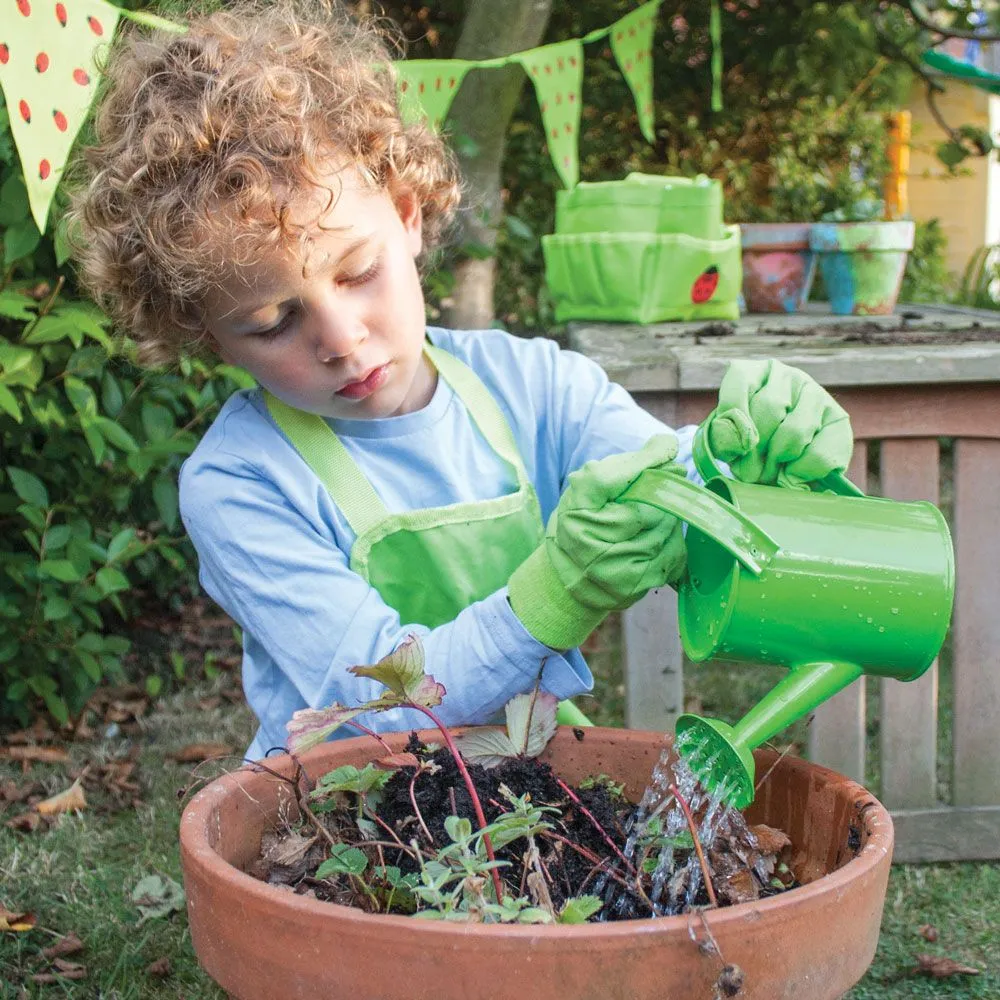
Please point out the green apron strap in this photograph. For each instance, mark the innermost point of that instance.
(326, 455)
(482, 407)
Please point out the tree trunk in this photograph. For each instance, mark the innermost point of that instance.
(479, 118)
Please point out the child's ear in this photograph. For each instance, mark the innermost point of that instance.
(412, 216)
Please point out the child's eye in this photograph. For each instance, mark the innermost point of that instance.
(277, 330)
(368, 274)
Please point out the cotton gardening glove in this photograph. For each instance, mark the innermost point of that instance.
(775, 424)
(598, 554)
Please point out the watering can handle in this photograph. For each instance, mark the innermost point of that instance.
(706, 511)
(708, 467)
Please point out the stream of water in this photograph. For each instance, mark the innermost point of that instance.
(659, 823)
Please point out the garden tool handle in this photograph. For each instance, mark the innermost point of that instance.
(708, 466)
(708, 512)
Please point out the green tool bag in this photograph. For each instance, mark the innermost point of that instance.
(643, 277)
(647, 249)
(643, 203)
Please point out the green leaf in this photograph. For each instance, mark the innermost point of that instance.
(165, 497)
(111, 580)
(81, 396)
(20, 240)
(57, 536)
(951, 154)
(120, 543)
(154, 685)
(156, 896)
(33, 515)
(344, 860)
(116, 644)
(14, 205)
(112, 398)
(86, 318)
(95, 439)
(51, 328)
(90, 665)
(577, 909)
(56, 608)
(9, 404)
(458, 828)
(15, 305)
(21, 365)
(157, 421)
(116, 435)
(28, 487)
(87, 362)
(57, 707)
(60, 569)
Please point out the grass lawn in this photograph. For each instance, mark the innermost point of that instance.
(78, 875)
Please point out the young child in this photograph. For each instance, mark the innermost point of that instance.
(252, 192)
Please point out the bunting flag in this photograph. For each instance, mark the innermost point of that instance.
(427, 86)
(557, 73)
(49, 78)
(632, 45)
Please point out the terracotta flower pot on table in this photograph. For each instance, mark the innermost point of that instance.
(263, 942)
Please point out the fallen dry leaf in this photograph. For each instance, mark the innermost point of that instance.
(941, 967)
(159, 969)
(739, 887)
(27, 822)
(14, 921)
(12, 792)
(75, 972)
(394, 761)
(769, 839)
(35, 754)
(928, 932)
(39, 732)
(70, 944)
(196, 752)
(70, 800)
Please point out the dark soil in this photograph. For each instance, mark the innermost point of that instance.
(577, 856)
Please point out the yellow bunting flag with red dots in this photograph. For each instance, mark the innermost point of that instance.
(49, 76)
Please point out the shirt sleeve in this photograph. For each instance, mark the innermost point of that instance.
(269, 561)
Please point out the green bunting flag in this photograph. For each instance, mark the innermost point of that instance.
(632, 45)
(427, 86)
(48, 76)
(557, 73)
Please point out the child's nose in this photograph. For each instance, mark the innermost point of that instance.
(338, 335)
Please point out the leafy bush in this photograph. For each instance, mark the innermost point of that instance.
(88, 493)
(927, 278)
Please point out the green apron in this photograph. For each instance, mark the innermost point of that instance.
(468, 550)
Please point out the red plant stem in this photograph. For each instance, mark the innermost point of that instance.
(389, 830)
(585, 852)
(471, 789)
(709, 888)
(597, 826)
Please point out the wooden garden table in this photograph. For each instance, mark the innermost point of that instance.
(923, 391)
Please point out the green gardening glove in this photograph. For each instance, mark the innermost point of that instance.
(599, 555)
(775, 424)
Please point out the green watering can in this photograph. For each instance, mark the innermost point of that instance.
(830, 583)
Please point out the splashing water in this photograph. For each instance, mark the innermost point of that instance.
(659, 825)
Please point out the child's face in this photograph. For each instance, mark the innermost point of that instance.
(335, 326)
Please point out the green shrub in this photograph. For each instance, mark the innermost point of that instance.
(88, 494)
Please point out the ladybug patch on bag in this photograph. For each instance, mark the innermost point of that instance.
(705, 285)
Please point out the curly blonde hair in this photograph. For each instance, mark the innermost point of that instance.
(241, 112)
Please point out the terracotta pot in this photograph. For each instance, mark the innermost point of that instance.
(778, 266)
(262, 942)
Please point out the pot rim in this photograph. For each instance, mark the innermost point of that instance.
(197, 852)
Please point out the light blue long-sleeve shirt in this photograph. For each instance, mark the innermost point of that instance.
(274, 549)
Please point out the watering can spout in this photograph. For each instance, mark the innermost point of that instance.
(722, 755)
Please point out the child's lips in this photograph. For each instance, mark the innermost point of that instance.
(366, 386)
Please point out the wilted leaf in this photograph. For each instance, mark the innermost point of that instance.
(940, 967)
(395, 761)
(15, 921)
(155, 896)
(310, 726)
(27, 822)
(159, 969)
(531, 723)
(196, 752)
(71, 800)
(769, 839)
(402, 672)
(70, 944)
(36, 755)
(928, 932)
